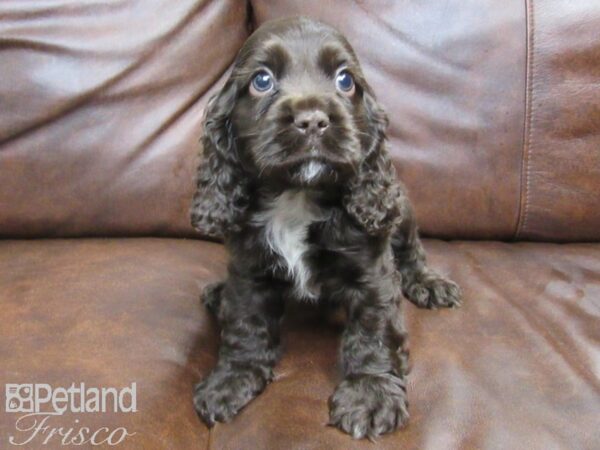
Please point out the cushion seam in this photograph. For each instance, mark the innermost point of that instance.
(524, 203)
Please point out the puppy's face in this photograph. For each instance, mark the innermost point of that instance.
(304, 114)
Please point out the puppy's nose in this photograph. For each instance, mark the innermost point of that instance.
(311, 122)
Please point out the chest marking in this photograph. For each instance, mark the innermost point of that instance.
(286, 221)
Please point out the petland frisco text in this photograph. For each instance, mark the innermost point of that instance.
(39, 404)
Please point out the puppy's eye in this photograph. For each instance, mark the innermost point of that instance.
(261, 83)
(344, 82)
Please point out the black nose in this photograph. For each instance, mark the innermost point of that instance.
(311, 122)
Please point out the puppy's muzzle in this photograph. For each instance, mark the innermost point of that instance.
(311, 123)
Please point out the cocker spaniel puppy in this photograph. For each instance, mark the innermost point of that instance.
(297, 179)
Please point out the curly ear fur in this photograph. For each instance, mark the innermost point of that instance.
(221, 197)
(375, 199)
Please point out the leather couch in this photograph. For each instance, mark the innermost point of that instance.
(495, 130)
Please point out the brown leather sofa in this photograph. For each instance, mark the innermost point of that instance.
(495, 129)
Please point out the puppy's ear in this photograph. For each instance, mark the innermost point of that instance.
(377, 120)
(375, 199)
(221, 196)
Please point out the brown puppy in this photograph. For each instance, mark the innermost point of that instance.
(297, 178)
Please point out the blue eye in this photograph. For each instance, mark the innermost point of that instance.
(262, 81)
(344, 81)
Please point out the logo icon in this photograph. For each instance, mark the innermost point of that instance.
(19, 398)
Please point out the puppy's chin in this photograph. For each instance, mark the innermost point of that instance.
(314, 173)
(311, 174)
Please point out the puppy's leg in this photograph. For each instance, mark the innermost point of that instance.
(371, 400)
(249, 315)
(420, 284)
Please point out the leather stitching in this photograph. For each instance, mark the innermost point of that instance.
(527, 128)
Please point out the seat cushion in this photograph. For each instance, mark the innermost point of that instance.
(517, 366)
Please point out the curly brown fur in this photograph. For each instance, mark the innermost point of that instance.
(298, 180)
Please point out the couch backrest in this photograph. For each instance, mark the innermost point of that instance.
(494, 108)
(100, 111)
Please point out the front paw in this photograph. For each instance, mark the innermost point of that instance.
(369, 405)
(434, 291)
(224, 393)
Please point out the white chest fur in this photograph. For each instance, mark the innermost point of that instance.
(286, 221)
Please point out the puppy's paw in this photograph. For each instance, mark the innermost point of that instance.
(369, 405)
(223, 394)
(434, 291)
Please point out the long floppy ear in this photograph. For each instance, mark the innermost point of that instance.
(221, 196)
(375, 198)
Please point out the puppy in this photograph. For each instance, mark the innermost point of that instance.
(297, 179)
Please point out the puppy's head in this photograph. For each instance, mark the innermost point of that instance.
(296, 111)
(303, 111)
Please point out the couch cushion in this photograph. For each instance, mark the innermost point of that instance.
(101, 105)
(516, 367)
(493, 105)
(452, 79)
(560, 198)
(109, 313)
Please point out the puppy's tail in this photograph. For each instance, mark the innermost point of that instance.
(211, 297)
